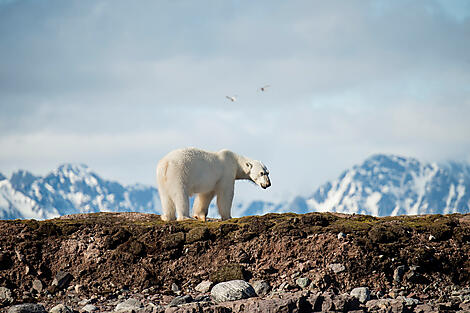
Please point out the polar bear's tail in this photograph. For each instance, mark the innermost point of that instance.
(162, 168)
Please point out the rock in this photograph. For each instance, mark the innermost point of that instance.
(5, 296)
(78, 288)
(84, 302)
(60, 308)
(409, 302)
(38, 286)
(89, 308)
(261, 287)
(336, 267)
(283, 286)
(202, 298)
(424, 308)
(465, 306)
(302, 282)
(175, 288)
(62, 279)
(362, 293)
(398, 273)
(386, 305)
(129, 305)
(232, 290)
(204, 286)
(327, 303)
(27, 308)
(180, 300)
(345, 303)
(341, 235)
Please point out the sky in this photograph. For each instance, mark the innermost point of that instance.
(118, 84)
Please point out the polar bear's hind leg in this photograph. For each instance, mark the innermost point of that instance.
(168, 209)
(181, 201)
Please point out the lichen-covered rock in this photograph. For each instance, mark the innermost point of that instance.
(232, 290)
(302, 282)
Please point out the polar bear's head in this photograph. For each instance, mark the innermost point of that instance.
(258, 173)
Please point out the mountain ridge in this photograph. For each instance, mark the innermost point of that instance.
(382, 185)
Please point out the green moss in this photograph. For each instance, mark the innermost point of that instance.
(228, 272)
(197, 234)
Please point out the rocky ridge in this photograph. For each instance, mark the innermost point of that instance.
(316, 262)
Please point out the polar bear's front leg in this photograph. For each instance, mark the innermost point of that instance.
(201, 205)
(224, 201)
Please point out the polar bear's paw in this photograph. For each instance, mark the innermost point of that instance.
(165, 218)
(184, 218)
(201, 218)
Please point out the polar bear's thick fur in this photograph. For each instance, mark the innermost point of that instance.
(184, 172)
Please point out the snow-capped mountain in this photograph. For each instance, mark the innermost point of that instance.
(385, 185)
(392, 185)
(382, 185)
(70, 189)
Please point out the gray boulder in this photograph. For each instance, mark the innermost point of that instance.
(302, 282)
(232, 290)
(180, 300)
(361, 293)
(129, 305)
(89, 308)
(60, 308)
(204, 286)
(27, 308)
(261, 287)
(336, 267)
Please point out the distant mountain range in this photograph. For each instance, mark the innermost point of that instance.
(385, 185)
(382, 185)
(71, 189)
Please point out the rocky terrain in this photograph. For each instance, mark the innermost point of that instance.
(315, 262)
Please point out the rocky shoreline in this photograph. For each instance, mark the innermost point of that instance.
(132, 262)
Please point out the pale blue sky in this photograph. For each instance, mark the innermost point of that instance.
(118, 84)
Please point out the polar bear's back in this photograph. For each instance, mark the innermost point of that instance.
(196, 169)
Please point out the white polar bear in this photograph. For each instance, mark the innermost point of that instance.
(184, 172)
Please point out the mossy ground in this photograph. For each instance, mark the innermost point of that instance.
(114, 250)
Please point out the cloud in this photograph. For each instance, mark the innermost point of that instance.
(116, 85)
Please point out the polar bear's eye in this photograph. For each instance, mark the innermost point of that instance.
(261, 173)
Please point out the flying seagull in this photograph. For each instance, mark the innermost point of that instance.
(264, 88)
(232, 98)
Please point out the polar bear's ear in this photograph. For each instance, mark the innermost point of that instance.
(249, 165)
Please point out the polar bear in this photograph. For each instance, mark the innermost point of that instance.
(184, 172)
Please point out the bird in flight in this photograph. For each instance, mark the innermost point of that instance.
(232, 98)
(264, 88)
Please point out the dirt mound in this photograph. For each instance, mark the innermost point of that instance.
(100, 254)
